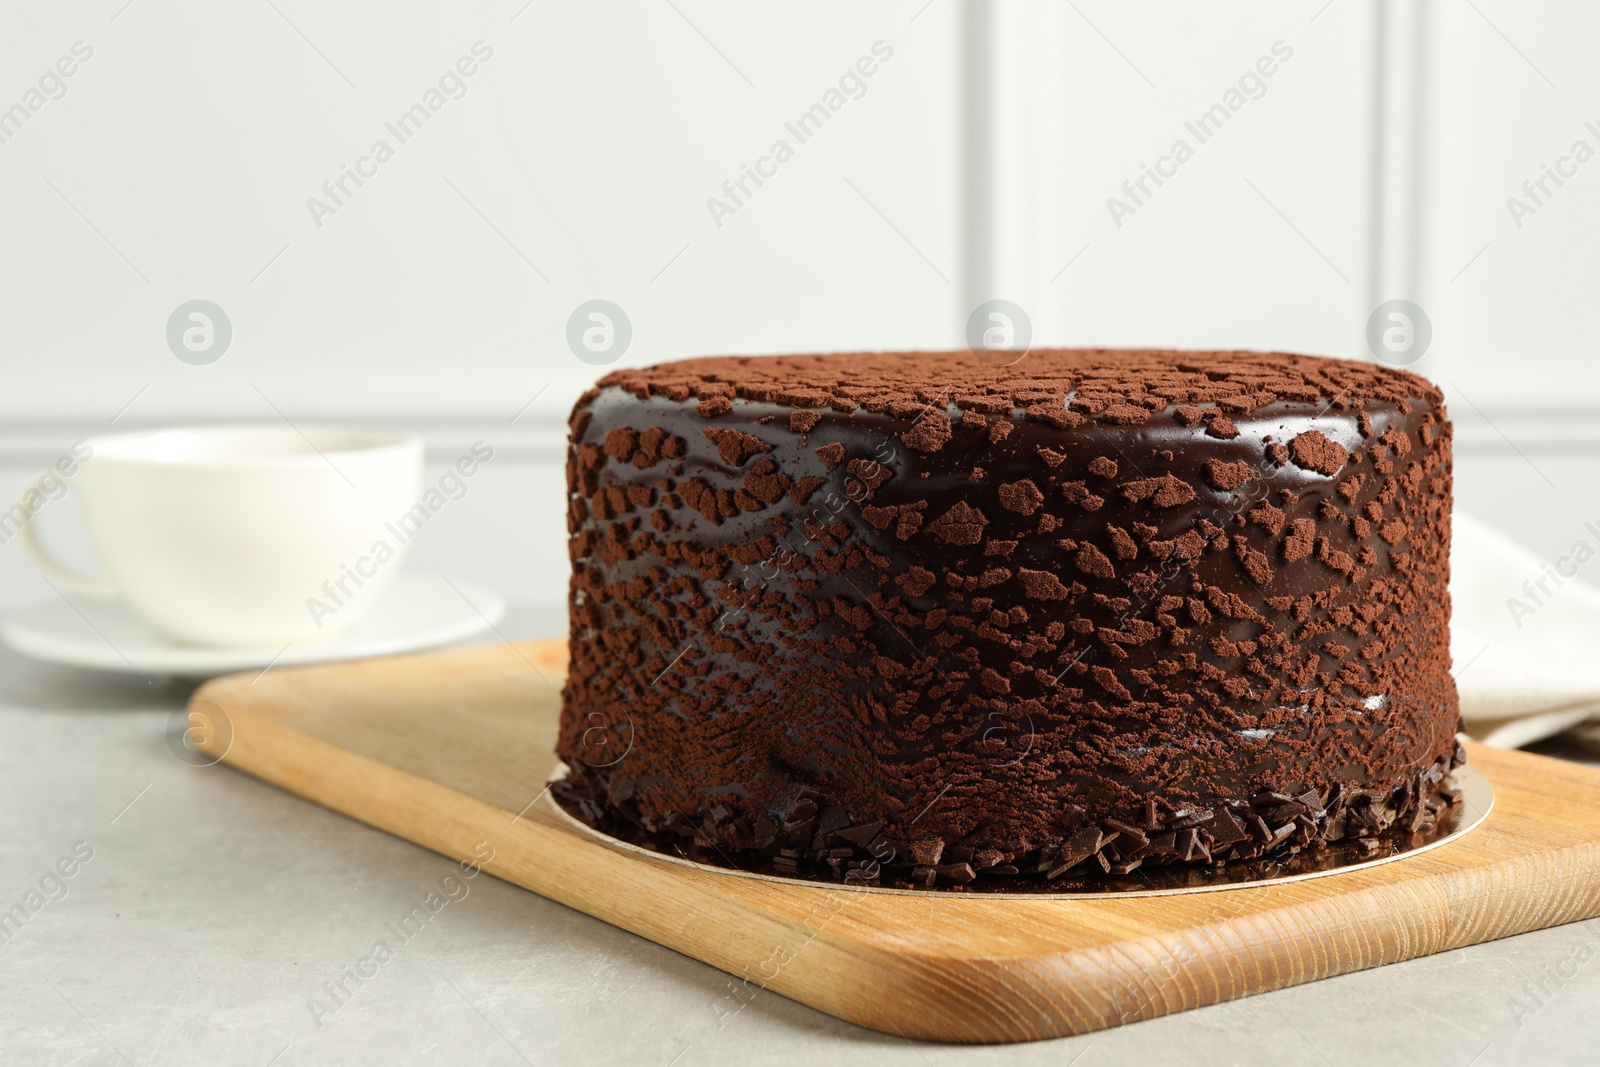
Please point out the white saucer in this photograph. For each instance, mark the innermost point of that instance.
(417, 611)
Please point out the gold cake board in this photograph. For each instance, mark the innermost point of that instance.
(452, 750)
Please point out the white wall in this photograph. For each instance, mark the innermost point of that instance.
(589, 143)
(1207, 260)
(977, 163)
(1517, 329)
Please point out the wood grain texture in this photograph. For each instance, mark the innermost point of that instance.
(452, 750)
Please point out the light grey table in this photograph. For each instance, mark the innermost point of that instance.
(214, 909)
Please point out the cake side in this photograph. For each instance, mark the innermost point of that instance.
(915, 613)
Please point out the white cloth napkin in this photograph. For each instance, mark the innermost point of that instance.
(1524, 636)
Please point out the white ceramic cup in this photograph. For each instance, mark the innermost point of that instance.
(234, 535)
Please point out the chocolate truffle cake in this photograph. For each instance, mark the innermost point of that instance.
(912, 619)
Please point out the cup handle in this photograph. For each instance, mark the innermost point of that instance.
(83, 585)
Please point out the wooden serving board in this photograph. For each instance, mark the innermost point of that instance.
(452, 751)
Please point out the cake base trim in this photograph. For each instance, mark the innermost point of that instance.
(1444, 810)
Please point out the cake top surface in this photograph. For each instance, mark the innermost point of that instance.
(1116, 386)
